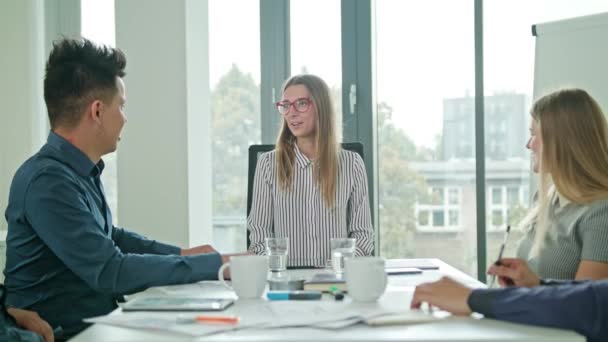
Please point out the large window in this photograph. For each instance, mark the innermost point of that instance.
(234, 67)
(426, 117)
(97, 24)
(423, 72)
(508, 94)
(311, 20)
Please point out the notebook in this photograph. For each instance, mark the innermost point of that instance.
(403, 270)
(176, 304)
(410, 317)
(423, 264)
(324, 282)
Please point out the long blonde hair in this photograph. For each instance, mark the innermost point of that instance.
(574, 154)
(326, 141)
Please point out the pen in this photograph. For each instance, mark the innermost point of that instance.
(502, 249)
(208, 319)
(293, 295)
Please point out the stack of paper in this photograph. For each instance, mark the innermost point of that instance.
(150, 321)
(283, 314)
(331, 315)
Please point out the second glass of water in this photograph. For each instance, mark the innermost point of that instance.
(277, 249)
(341, 248)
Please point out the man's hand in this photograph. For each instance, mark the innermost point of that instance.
(516, 272)
(30, 320)
(204, 249)
(445, 294)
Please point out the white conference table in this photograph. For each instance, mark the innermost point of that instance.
(398, 294)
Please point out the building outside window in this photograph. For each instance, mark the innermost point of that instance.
(441, 213)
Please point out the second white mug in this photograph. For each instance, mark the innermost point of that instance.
(365, 278)
(248, 274)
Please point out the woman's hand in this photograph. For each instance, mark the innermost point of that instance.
(514, 272)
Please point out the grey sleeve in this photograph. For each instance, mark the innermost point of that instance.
(593, 230)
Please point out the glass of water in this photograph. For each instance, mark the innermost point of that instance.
(341, 248)
(277, 249)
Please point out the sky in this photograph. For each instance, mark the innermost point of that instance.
(424, 49)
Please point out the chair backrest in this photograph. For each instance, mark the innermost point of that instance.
(254, 153)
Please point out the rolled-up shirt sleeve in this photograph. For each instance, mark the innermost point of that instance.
(580, 307)
(131, 242)
(359, 221)
(58, 211)
(593, 233)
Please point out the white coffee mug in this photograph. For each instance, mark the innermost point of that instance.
(248, 274)
(365, 278)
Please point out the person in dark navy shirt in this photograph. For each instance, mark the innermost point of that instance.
(581, 306)
(65, 258)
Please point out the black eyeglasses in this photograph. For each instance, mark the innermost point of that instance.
(300, 105)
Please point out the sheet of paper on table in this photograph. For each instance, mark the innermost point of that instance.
(280, 314)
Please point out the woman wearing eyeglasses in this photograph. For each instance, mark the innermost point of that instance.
(308, 189)
(567, 229)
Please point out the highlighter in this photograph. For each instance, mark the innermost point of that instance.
(293, 295)
(208, 319)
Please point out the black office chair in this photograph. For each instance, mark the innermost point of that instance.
(254, 153)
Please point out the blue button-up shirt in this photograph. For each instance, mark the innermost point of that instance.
(579, 306)
(64, 258)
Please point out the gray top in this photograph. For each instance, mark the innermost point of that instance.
(576, 232)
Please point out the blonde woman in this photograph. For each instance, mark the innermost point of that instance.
(308, 189)
(567, 230)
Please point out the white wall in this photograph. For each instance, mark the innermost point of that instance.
(27, 28)
(22, 118)
(164, 173)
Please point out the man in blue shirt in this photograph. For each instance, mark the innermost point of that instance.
(579, 306)
(65, 259)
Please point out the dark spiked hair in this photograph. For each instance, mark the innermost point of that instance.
(79, 71)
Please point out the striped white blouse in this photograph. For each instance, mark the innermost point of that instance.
(301, 214)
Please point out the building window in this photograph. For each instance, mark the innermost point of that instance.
(423, 218)
(442, 213)
(513, 195)
(497, 218)
(438, 218)
(496, 195)
(526, 194)
(454, 218)
(437, 195)
(453, 196)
